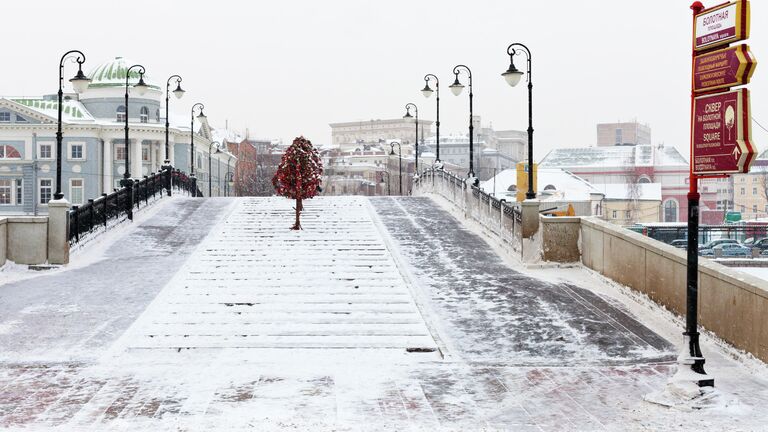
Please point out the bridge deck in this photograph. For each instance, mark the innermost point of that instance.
(383, 314)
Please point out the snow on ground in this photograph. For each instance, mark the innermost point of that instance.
(261, 328)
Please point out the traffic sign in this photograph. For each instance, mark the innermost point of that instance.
(721, 25)
(721, 142)
(727, 67)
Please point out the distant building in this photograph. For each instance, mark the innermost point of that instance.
(347, 135)
(628, 133)
(750, 191)
(637, 165)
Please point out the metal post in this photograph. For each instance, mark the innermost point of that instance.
(59, 134)
(105, 209)
(167, 162)
(692, 356)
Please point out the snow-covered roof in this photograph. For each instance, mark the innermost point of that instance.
(553, 184)
(111, 73)
(73, 110)
(222, 135)
(623, 191)
(616, 156)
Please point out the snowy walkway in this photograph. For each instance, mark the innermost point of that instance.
(385, 314)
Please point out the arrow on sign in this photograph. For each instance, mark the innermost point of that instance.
(736, 153)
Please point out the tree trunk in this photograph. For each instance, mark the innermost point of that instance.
(299, 208)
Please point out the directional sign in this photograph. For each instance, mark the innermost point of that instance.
(721, 133)
(723, 68)
(722, 25)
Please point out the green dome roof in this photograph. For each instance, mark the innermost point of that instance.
(112, 74)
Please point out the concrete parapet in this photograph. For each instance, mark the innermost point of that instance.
(26, 239)
(732, 304)
(58, 227)
(3, 240)
(530, 217)
(560, 239)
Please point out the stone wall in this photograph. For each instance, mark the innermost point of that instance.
(732, 304)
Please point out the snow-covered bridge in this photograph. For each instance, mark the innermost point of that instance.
(383, 314)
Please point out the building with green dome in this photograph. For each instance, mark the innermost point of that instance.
(94, 151)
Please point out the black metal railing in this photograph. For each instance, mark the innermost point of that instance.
(97, 213)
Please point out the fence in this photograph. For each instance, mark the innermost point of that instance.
(97, 213)
(501, 218)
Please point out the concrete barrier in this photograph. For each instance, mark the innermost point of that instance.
(560, 239)
(35, 240)
(732, 304)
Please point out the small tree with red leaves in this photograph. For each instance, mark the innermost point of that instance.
(298, 175)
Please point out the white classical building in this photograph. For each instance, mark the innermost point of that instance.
(94, 150)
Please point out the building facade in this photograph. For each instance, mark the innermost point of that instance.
(94, 151)
(627, 133)
(348, 135)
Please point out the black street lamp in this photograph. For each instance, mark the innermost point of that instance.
(388, 181)
(456, 89)
(210, 151)
(80, 84)
(179, 92)
(512, 75)
(201, 116)
(427, 92)
(141, 88)
(229, 179)
(400, 161)
(407, 115)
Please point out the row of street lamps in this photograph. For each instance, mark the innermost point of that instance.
(80, 83)
(512, 75)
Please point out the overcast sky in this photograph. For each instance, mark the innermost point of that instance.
(285, 68)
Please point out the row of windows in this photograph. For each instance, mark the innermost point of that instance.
(143, 114)
(754, 191)
(12, 191)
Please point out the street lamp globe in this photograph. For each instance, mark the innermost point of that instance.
(512, 75)
(179, 92)
(427, 91)
(141, 87)
(80, 82)
(456, 87)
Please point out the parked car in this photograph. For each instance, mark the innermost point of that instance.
(718, 242)
(679, 243)
(728, 250)
(761, 244)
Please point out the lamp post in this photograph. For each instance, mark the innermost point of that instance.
(192, 143)
(512, 75)
(456, 89)
(427, 92)
(179, 92)
(210, 151)
(400, 160)
(408, 107)
(229, 179)
(388, 181)
(80, 84)
(141, 88)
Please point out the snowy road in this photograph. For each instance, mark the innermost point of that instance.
(383, 314)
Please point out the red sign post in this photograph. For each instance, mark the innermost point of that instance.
(721, 133)
(723, 68)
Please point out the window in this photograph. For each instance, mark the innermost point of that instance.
(644, 180)
(754, 208)
(5, 117)
(144, 115)
(121, 113)
(145, 153)
(743, 191)
(46, 190)
(619, 137)
(76, 150)
(9, 152)
(45, 151)
(614, 215)
(119, 152)
(19, 191)
(76, 191)
(5, 192)
(670, 211)
(629, 214)
(20, 119)
(157, 115)
(199, 161)
(754, 191)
